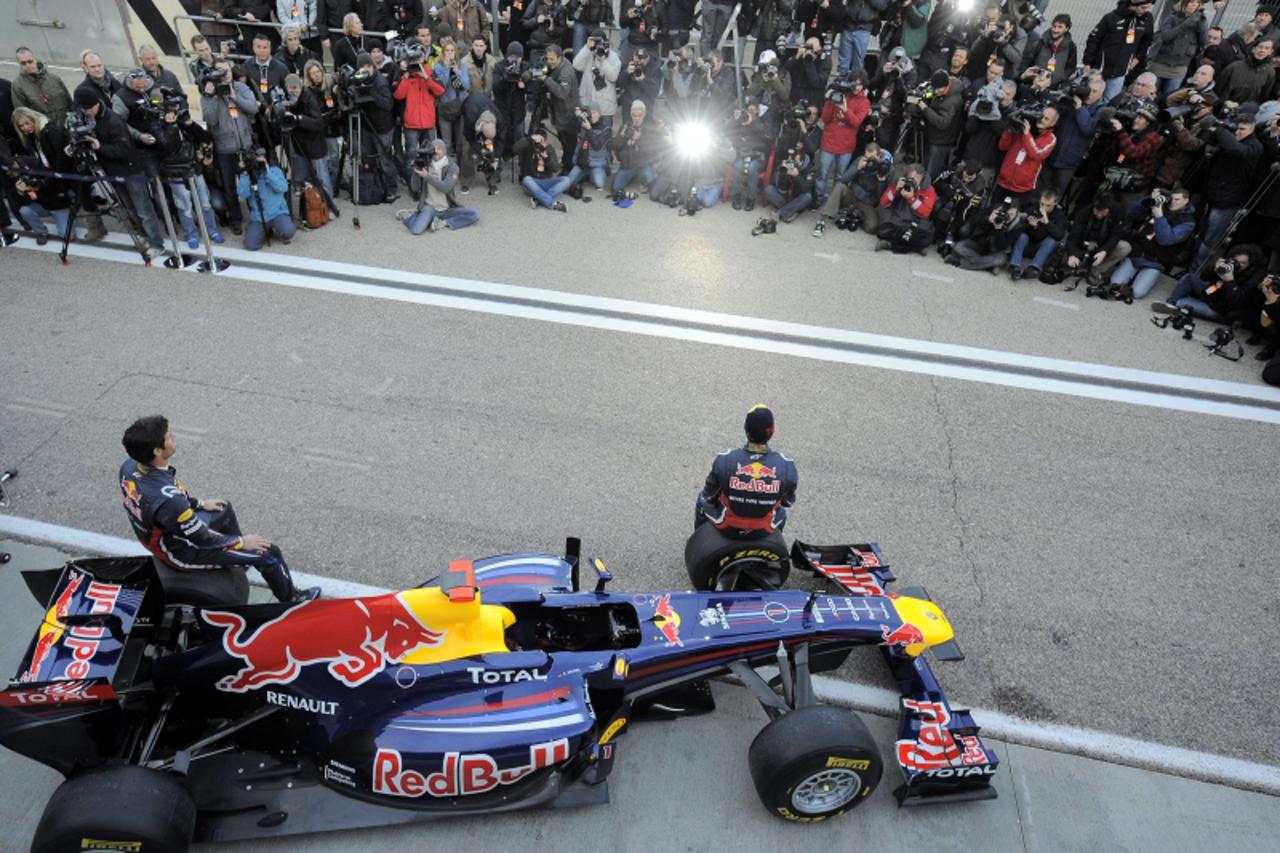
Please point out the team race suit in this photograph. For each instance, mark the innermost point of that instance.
(169, 523)
(748, 491)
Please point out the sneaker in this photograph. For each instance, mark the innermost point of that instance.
(1015, 273)
(402, 214)
(41, 239)
(391, 198)
(300, 596)
(1165, 308)
(95, 233)
(10, 239)
(737, 204)
(217, 238)
(493, 190)
(882, 245)
(559, 205)
(819, 228)
(193, 244)
(436, 224)
(749, 204)
(1032, 273)
(154, 253)
(466, 190)
(237, 229)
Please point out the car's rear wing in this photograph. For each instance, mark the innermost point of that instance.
(62, 706)
(938, 749)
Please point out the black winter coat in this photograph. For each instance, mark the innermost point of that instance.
(1119, 37)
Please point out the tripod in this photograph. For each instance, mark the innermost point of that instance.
(87, 164)
(355, 132)
(913, 132)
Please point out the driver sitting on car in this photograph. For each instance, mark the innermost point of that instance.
(182, 532)
(749, 487)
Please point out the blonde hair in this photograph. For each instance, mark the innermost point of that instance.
(347, 20)
(326, 81)
(28, 114)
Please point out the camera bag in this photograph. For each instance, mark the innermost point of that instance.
(315, 211)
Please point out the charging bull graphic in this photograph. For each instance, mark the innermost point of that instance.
(51, 629)
(907, 635)
(357, 637)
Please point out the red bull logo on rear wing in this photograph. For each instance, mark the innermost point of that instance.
(856, 569)
(84, 630)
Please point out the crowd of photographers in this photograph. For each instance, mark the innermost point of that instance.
(995, 135)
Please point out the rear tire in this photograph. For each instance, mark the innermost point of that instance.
(718, 562)
(814, 763)
(119, 805)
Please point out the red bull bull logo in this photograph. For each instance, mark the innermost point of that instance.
(132, 498)
(82, 640)
(667, 620)
(356, 637)
(906, 635)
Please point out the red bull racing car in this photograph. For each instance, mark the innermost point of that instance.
(501, 684)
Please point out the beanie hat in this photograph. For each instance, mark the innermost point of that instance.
(84, 98)
(939, 79)
(598, 34)
(363, 58)
(759, 424)
(515, 48)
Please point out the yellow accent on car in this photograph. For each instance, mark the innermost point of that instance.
(470, 628)
(926, 616)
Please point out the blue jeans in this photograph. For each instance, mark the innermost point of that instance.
(545, 190)
(1215, 227)
(787, 210)
(33, 214)
(1114, 86)
(623, 177)
(709, 195)
(1183, 297)
(599, 176)
(825, 159)
(1142, 279)
(853, 49)
(182, 201)
(1043, 251)
(454, 217)
(255, 235)
(746, 178)
(1169, 85)
(415, 139)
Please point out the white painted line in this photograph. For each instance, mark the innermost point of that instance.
(932, 276)
(1058, 376)
(881, 701)
(87, 542)
(828, 256)
(1056, 303)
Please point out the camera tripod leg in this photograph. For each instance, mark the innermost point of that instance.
(71, 229)
(117, 208)
(354, 129)
(175, 260)
(210, 263)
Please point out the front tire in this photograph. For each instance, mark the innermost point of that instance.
(814, 763)
(717, 562)
(120, 806)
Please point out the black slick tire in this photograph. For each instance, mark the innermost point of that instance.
(715, 561)
(814, 763)
(123, 807)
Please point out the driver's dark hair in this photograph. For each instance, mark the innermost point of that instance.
(144, 437)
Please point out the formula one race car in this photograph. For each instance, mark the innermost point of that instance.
(498, 685)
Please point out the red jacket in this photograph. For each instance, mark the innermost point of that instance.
(1141, 152)
(921, 205)
(840, 123)
(419, 95)
(1024, 155)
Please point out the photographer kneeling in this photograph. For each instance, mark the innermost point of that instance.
(1044, 226)
(791, 192)
(1158, 237)
(45, 146)
(904, 213)
(1227, 293)
(992, 237)
(858, 192)
(263, 188)
(487, 150)
(432, 183)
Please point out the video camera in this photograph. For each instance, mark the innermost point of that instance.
(174, 101)
(796, 114)
(922, 94)
(409, 51)
(1002, 215)
(356, 84)
(1030, 113)
(221, 80)
(421, 160)
(842, 85)
(1075, 86)
(511, 70)
(79, 128)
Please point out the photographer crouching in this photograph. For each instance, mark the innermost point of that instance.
(263, 187)
(988, 246)
(1160, 230)
(961, 193)
(1228, 293)
(434, 177)
(179, 142)
(904, 213)
(487, 150)
(1043, 227)
(854, 202)
(43, 146)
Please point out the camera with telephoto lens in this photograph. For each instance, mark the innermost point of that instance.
(251, 161)
(1002, 214)
(908, 185)
(1224, 267)
(790, 162)
(511, 70)
(1156, 199)
(796, 114)
(221, 80)
(924, 93)
(32, 182)
(1075, 86)
(421, 160)
(842, 85)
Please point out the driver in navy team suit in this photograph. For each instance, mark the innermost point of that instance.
(749, 487)
(182, 532)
